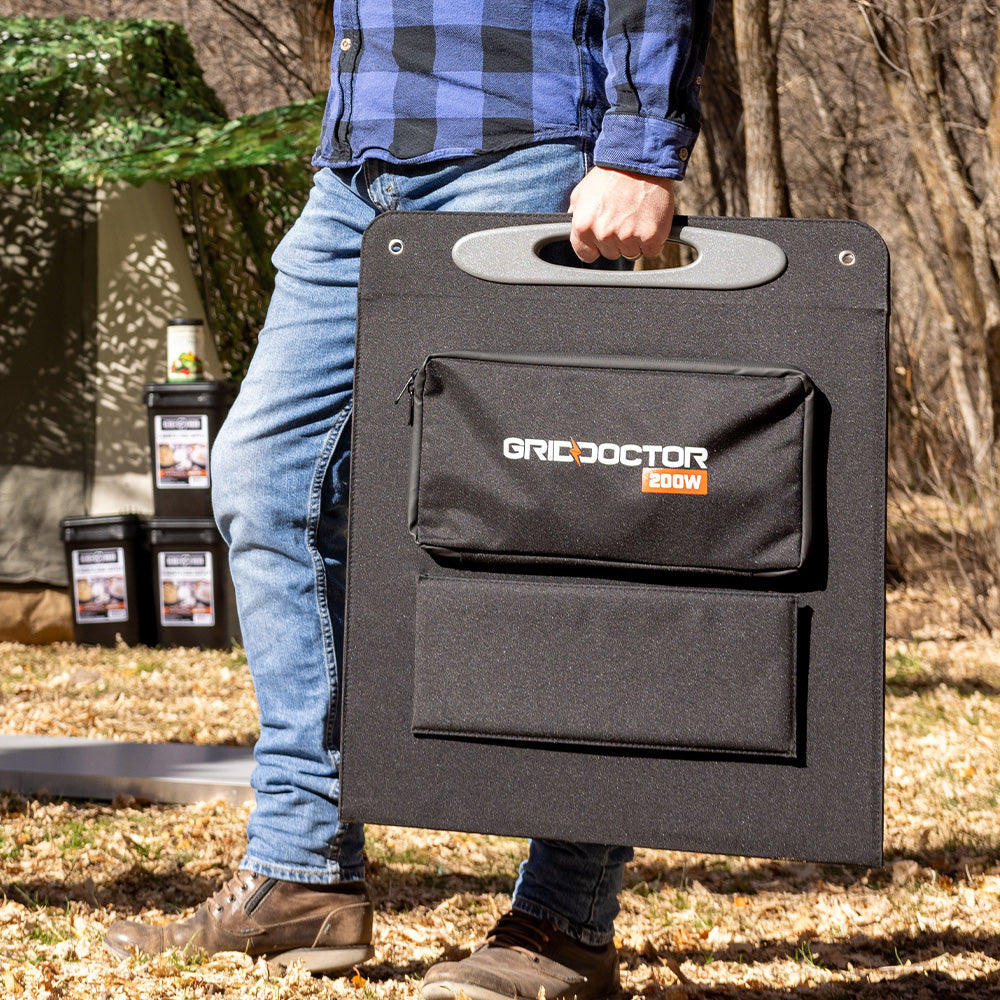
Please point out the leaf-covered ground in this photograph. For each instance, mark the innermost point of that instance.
(926, 925)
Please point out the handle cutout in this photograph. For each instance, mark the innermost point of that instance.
(675, 254)
(537, 255)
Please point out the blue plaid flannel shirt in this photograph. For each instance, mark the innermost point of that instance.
(421, 80)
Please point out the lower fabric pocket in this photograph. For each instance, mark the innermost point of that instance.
(605, 664)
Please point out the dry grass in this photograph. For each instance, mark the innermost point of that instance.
(692, 925)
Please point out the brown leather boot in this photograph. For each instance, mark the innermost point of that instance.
(524, 958)
(326, 928)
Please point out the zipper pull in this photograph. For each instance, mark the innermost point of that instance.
(408, 390)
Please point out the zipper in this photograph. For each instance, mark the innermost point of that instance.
(617, 362)
(606, 363)
(408, 390)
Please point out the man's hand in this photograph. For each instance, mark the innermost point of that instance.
(617, 213)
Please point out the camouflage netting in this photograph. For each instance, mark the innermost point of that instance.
(86, 102)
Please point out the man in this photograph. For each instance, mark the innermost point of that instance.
(501, 105)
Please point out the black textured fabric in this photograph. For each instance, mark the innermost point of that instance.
(592, 664)
(718, 712)
(641, 463)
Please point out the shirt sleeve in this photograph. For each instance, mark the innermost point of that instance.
(654, 51)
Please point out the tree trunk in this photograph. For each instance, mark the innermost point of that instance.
(315, 23)
(721, 144)
(767, 184)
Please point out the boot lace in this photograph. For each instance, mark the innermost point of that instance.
(519, 931)
(239, 885)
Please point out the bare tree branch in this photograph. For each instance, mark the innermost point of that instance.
(277, 48)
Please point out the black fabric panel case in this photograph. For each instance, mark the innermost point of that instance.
(615, 568)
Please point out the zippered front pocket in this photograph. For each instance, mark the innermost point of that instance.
(638, 463)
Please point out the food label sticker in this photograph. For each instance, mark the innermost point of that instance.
(99, 585)
(181, 446)
(187, 588)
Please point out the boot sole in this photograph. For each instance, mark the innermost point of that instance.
(447, 989)
(451, 990)
(329, 960)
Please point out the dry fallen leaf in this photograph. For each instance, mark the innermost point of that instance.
(11, 985)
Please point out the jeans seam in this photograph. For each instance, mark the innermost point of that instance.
(322, 595)
(599, 881)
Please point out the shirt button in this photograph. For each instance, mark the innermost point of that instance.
(345, 44)
(682, 153)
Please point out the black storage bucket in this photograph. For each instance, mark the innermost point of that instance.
(108, 567)
(183, 421)
(191, 586)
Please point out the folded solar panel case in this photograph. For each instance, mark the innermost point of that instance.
(615, 568)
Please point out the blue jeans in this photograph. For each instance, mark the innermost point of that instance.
(280, 479)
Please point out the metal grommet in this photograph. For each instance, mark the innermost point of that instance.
(396, 246)
(847, 258)
(345, 44)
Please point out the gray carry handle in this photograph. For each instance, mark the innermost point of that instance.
(724, 260)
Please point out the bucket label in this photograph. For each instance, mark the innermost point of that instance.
(187, 588)
(99, 586)
(180, 442)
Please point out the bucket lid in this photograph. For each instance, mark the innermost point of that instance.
(183, 530)
(202, 392)
(115, 527)
(181, 523)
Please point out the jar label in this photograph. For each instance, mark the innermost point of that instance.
(184, 361)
